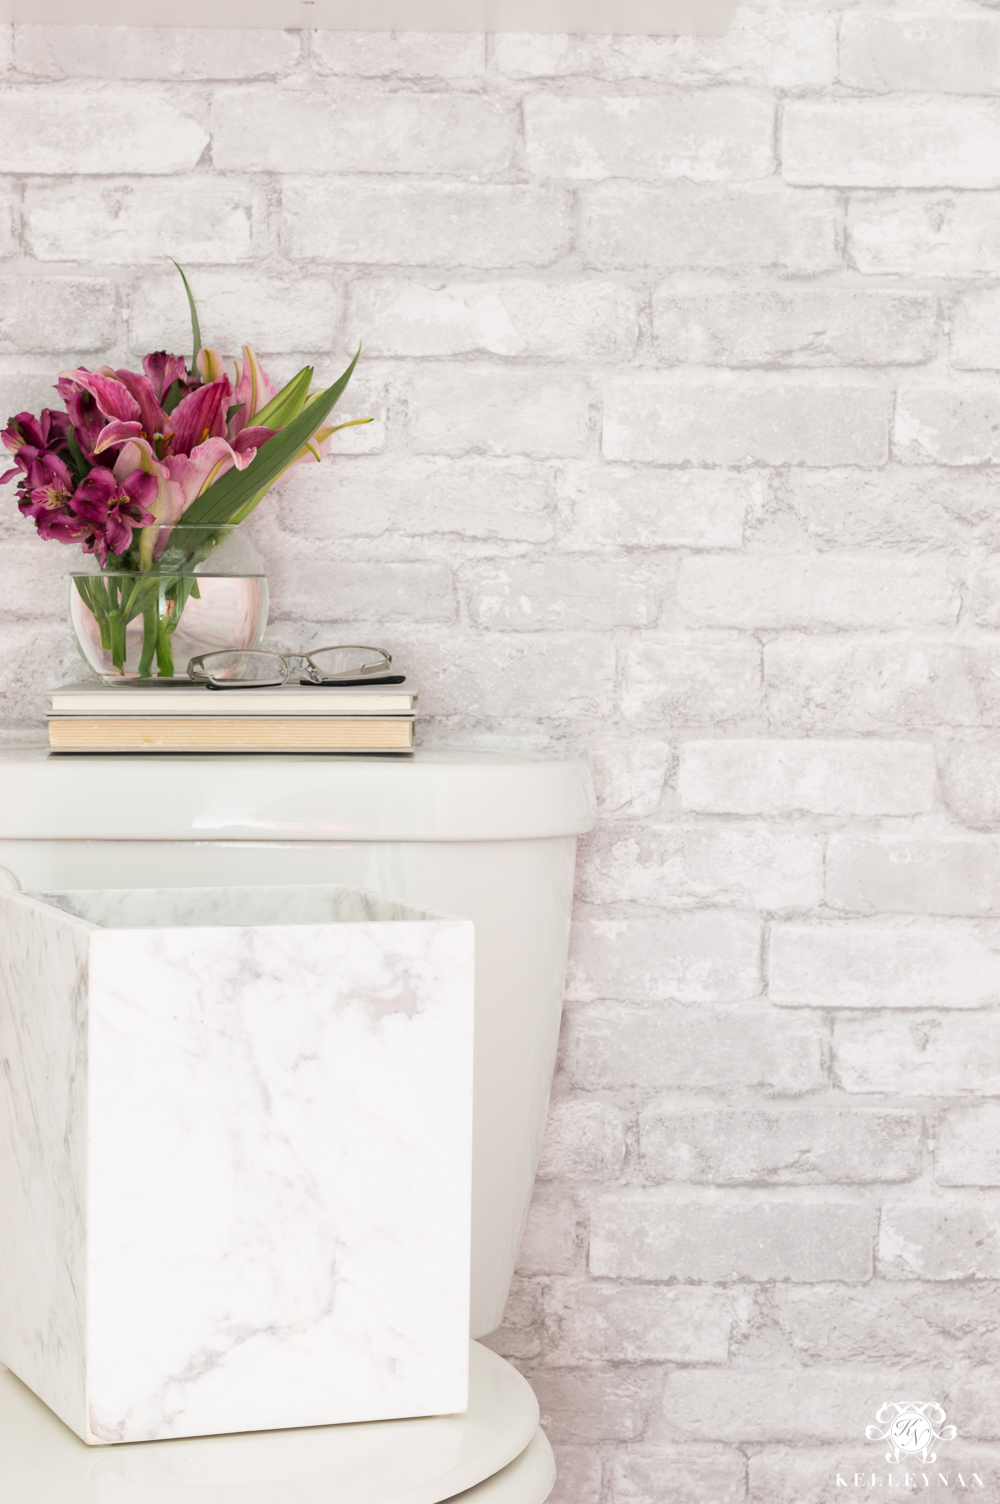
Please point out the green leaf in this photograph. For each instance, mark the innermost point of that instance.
(76, 455)
(287, 404)
(248, 506)
(222, 501)
(195, 326)
(174, 395)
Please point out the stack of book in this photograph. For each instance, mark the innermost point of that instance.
(150, 715)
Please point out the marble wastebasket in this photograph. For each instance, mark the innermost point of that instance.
(235, 1158)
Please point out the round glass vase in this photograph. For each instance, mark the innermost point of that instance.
(204, 589)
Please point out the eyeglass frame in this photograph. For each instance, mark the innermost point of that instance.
(365, 673)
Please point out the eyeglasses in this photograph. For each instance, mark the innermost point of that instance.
(251, 669)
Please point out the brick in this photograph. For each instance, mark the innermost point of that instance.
(399, 54)
(947, 425)
(943, 54)
(584, 1140)
(138, 129)
(774, 49)
(827, 327)
(808, 1475)
(34, 655)
(454, 409)
(975, 329)
(612, 1047)
(163, 52)
(712, 136)
(505, 676)
(933, 964)
(767, 867)
(974, 1397)
(645, 1324)
(771, 1146)
(970, 773)
(24, 390)
(851, 684)
(578, 1476)
(563, 591)
(305, 583)
(7, 192)
(787, 1404)
(257, 128)
(913, 875)
(300, 312)
(35, 582)
(926, 1055)
(696, 1474)
(571, 320)
(629, 773)
(824, 778)
(721, 229)
(584, 1406)
(884, 1323)
(927, 143)
(922, 506)
(128, 221)
(33, 314)
(684, 681)
(621, 508)
(549, 1241)
(377, 221)
(984, 591)
(825, 590)
(704, 956)
(519, 1336)
(674, 420)
(477, 501)
(968, 1146)
(925, 234)
(939, 1240)
(650, 1234)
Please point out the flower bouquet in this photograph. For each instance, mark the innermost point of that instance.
(150, 472)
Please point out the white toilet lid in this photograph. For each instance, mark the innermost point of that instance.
(383, 1462)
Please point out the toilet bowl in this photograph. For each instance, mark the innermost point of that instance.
(485, 837)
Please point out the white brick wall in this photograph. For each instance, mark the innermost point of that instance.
(685, 355)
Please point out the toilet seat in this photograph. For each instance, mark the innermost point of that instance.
(493, 1454)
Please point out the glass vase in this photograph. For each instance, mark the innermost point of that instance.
(203, 589)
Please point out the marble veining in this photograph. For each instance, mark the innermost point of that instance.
(273, 1209)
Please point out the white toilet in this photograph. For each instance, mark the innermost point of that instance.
(486, 837)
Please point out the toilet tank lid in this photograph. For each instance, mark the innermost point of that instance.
(432, 796)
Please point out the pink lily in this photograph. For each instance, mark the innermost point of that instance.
(162, 370)
(254, 390)
(200, 416)
(211, 366)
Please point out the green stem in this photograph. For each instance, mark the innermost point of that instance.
(150, 625)
(164, 649)
(117, 631)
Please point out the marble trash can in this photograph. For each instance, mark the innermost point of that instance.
(235, 1158)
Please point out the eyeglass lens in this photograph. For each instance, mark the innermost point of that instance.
(348, 662)
(242, 667)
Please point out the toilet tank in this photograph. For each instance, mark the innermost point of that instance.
(481, 836)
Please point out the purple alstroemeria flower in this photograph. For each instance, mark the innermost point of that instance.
(37, 444)
(100, 514)
(108, 510)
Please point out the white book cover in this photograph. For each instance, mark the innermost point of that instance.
(177, 698)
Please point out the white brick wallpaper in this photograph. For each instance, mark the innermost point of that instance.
(685, 361)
